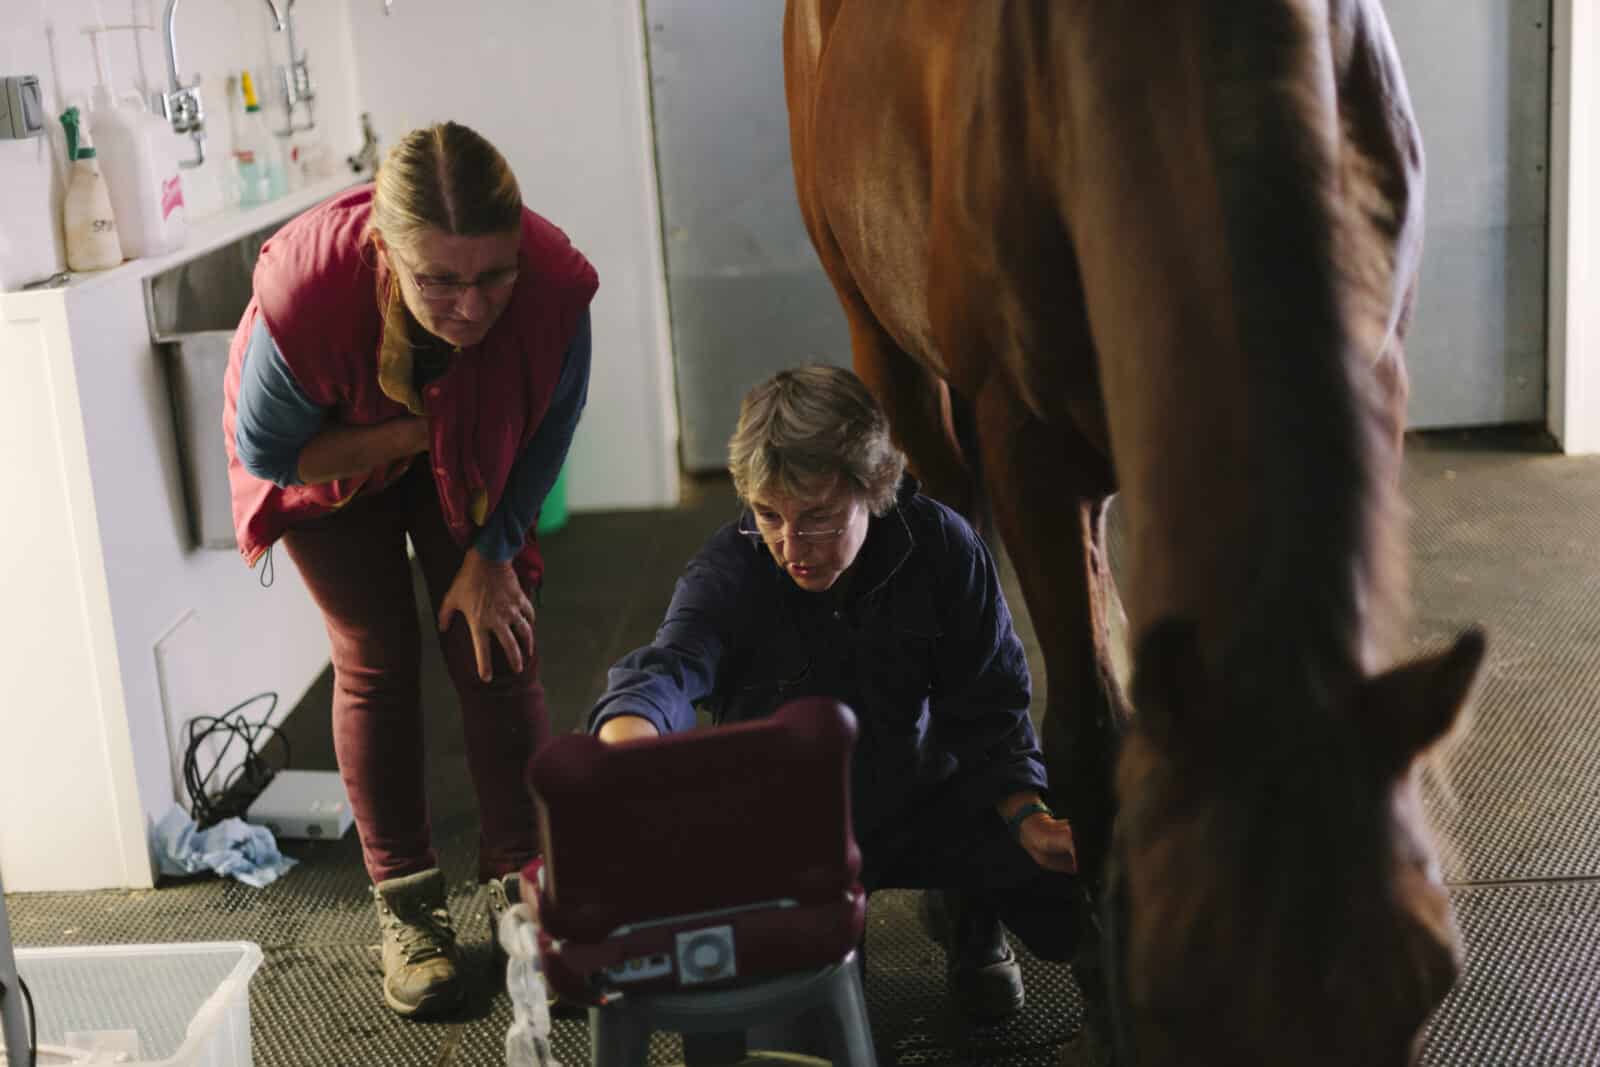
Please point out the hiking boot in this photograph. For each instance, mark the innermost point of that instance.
(420, 957)
(981, 971)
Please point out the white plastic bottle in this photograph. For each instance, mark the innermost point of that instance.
(91, 227)
(139, 165)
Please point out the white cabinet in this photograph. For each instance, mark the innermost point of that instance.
(117, 631)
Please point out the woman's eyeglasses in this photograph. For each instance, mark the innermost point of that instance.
(448, 291)
(772, 530)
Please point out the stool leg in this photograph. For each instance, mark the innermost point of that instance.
(700, 1049)
(618, 1037)
(804, 1034)
(849, 1031)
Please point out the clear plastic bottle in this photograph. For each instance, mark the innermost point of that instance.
(261, 176)
(528, 1039)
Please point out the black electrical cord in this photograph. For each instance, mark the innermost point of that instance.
(244, 783)
(33, 1025)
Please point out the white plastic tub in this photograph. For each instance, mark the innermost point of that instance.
(177, 1005)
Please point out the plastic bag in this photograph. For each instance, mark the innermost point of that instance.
(528, 1039)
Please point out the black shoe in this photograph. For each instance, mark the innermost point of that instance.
(1093, 1044)
(981, 971)
(1086, 1048)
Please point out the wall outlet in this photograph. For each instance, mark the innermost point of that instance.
(21, 107)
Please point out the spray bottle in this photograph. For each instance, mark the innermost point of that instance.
(91, 227)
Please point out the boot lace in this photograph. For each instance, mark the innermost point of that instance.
(423, 935)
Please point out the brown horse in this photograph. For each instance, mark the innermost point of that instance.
(1166, 249)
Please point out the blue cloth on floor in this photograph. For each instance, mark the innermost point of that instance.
(233, 848)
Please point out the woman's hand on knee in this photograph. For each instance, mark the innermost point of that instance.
(497, 609)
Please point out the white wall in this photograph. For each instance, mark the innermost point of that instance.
(66, 768)
(216, 38)
(1574, 311)
(117, 632)
(560, 87)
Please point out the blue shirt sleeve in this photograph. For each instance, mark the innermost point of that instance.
(664, 680)
(274, 418)
(981, 689)
(537, 468)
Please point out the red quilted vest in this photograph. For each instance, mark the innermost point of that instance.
(316, 285)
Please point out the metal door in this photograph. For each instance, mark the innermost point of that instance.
(748, 295)
(1479, 72)
(749, 298)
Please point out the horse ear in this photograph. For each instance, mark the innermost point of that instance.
(1169, 677)
(1415, 704)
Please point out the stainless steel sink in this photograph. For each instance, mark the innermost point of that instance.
(192, 311)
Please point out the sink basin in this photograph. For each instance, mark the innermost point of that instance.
(192, 311)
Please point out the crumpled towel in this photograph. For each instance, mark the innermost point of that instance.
(233, 848)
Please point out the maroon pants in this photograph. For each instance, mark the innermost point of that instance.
(354, 562)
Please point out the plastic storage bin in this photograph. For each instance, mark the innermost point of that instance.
(187, 1004)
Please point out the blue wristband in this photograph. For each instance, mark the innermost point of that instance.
(1032, 807)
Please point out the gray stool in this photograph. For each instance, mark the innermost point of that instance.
(619, 1032)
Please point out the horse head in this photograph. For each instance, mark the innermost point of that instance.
(1249, 926)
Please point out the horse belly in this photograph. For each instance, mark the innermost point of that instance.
(883, 233)
(876, 202)
(870, 171)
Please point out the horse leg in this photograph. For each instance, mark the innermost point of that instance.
(916, 401)
(1049, 488)
(1049, 491)
(919, 407)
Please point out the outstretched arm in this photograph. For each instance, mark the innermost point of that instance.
(657, 687)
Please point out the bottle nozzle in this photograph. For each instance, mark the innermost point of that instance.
(69, 122)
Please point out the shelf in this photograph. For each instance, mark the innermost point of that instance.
(204, 235)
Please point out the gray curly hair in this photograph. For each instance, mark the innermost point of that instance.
(802, 430)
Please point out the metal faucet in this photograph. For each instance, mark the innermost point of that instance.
(295, 80)
(366, 158)
(182, 103)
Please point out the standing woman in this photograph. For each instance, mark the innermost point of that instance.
(413, 364)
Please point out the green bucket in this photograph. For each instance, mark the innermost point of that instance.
(553, 515)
